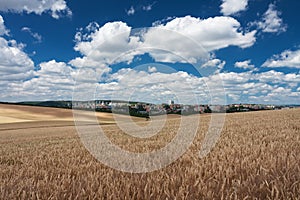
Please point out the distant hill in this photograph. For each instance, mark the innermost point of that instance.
(138, 109)
(56, 104)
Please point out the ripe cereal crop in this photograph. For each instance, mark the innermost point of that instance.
(256, 157)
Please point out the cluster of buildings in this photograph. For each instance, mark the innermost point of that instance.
(144, 109)
(252, 107)
(140, 108)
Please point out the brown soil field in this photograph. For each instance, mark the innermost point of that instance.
(19, 114)
(42, 157)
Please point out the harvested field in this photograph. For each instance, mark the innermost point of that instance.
(42, 157)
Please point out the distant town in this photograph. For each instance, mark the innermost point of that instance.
(143, 109)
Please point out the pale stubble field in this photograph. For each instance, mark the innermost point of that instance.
(256, 157)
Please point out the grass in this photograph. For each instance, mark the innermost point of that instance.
(256, 157)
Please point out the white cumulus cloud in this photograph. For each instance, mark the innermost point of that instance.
(244, 64)
(184, 39)
(148, 7)
(56, 8)
(53, 81)
(152, 69)
(271, 21)
(212, 33)
(111, 43)
(212, 66)
(130, 11)
(3, 30)
(15, 68)
(214, 63)
(156, 87)
(287, 58)
(14, 63)
(229, 7)
(35, 35)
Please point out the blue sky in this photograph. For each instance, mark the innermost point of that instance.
(219, 51)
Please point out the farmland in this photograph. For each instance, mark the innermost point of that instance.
(42, 157)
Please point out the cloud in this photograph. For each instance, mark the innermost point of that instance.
(53, 68)
(159, 87)
(162, 21)
(215, 63)
(165, 45)
(36, 36)
(212, 33)
(148, 7)
(56, 8)
(130, 11)
(53, 81)
(53, 76)
(58, 81)
(152, 69)
(274, 77)
(229, 7)
(3, 30)
(154, 87)
(266, 87)
(287, 58)
(15, 68)
(244, 65)
(110, 44)
(182, 35)
(271, 21)
(14, 63)
(184, 40)
(212, 66)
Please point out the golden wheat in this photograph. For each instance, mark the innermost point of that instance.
(256, 157)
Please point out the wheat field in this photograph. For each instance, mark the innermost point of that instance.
(256, 157)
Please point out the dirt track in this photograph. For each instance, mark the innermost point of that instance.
(20, 114)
